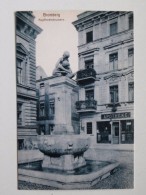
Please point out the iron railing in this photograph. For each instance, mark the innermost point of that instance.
(87, 104)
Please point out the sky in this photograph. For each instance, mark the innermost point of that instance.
(58, 35)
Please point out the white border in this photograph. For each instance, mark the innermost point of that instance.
(8, 151)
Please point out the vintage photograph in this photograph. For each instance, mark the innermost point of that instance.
(75, 99)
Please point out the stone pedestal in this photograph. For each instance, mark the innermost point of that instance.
(63, 149)
(66, 162)
(63, 88)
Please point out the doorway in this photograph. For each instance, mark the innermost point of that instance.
(116, 133)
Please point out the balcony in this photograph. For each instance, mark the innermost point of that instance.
(86, 106)
(86, 76)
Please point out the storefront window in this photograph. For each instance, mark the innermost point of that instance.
(103, 132)
(127, 131)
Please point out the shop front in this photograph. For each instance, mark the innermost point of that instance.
(115, 128)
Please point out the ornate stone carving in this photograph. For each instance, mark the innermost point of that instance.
(114, 78)
(63, 151)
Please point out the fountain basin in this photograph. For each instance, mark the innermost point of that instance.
(57, 145)
(83, 178)
(63, 152)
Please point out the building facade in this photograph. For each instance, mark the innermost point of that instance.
(26, 33)
(106, 76)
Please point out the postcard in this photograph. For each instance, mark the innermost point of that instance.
(75, 99)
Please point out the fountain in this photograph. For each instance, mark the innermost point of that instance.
(64, 165)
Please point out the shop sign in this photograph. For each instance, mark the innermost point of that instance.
(116, 115)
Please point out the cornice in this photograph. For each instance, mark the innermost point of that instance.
(30, 23)
(26, 127)
(25, 37)
(88, 51)
(20, 48)
(26, 87)
(96, 18)
(111, 36)
(118, 74)
(117, 44)
(25, 96)
(26, 26)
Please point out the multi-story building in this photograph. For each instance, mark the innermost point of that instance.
(26, 33)
(106, 76)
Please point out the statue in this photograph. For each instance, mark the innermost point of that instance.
(62, 67)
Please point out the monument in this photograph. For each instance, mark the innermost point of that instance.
(64, 165)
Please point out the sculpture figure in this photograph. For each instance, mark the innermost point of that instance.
(62, 67)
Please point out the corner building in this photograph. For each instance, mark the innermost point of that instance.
(106, 76)
(26, 33)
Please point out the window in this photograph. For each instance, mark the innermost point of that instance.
(89, 64)
(51, 128)
(131, 22)
(113, 60)
(131, 57)
(41, 85)
(114, 94)
(103, 132)
(19, 71)
(89, 128)
(51, 107)
(19, 113)
(89, 36)
(127, 131)
(42, 130)
(89, 94)
(131, 91)
(20, 144)
(42, 89)
(113, 28)
(42, 109)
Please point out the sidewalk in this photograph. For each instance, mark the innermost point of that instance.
(25, 156)
(121, 147)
